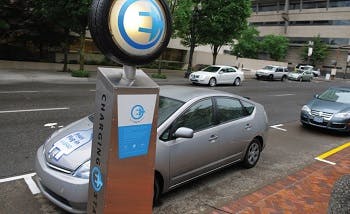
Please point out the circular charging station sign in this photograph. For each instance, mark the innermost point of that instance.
(138, 30)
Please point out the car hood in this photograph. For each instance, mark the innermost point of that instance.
(203, 73)
(328, 106)
(264, 71)
(295, 75)
(70, 147)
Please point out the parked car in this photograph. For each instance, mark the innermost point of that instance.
(272, 72)
(330, 110)
(217, 74)
(310, 68)
(199, 131)
(300, 75)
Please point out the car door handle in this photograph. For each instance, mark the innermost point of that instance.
(248, 126)
(213, 138)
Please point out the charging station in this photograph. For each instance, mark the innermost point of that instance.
(130, 32)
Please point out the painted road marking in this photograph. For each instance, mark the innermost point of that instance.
(17, 92)
(4, 180)
(27, 178)
(332, 152)
(282, 95)
(325, 161)
(32, 185)
(51, 125)
(34, 110)
(278, 127)
(92, 90)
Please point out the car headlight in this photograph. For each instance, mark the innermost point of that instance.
(306, 109)
(342, 115)
(83, 171)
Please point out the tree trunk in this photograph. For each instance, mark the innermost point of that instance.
(160, 64)
(82, 49)
(215, 49)
(192, 46)
(65, 50)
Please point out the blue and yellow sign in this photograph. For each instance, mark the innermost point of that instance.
(137, 26)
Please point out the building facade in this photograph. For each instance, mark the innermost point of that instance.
(301, 20)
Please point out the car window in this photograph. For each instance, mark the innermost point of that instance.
(211, 69)
(167, 107)
(228, 109)
(198, 117)
(231, 70)
(248, 107)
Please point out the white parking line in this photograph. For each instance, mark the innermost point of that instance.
(34, 110)
(27, 178)
(283, 95)
(325, 161)
(4, 180)
(278, 127)
(17, 92)
(32, 185)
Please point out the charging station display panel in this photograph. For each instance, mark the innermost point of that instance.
(135, 117)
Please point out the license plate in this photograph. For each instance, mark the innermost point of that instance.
(318, 119)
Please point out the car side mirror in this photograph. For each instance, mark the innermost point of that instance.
(316, 96)
(183, 132)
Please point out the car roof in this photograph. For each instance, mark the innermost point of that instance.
(185, 94)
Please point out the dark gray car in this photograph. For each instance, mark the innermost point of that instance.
(199, 131)
(329, 110)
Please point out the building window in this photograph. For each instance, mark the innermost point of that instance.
(339, 3)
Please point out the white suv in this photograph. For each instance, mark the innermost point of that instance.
(272, 72)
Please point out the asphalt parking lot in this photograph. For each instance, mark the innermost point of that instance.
(289, 148)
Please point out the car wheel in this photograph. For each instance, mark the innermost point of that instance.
(252, 154)
(270, 77)
(283, 78)
(212, 82)
(237, 82)
(157, 191)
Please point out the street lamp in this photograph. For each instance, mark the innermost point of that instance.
(195, 14)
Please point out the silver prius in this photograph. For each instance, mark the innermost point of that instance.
(199, 131)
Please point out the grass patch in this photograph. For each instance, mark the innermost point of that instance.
(158, 76)
(80, 73)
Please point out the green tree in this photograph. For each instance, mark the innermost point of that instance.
(248, 44)
(275, 46)
(222, 21)
(319, 53)
(70, 16)
(186, 25)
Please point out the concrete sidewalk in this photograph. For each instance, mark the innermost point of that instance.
(51, 76)
(307, 191)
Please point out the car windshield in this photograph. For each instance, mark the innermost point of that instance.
(167, 107)
(211, 69)
(336, 95)
(299, 71)
(270, 68)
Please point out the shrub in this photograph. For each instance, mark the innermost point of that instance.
(80, 73)
(158, 76)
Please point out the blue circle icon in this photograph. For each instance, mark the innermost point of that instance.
(153, 32)
(96, 179)
(137, 112)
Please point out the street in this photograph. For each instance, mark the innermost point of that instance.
(31, 111)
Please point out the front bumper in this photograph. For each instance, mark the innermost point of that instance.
(64, 190)
(338, 125)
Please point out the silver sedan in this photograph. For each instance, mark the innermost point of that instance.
(199, 131)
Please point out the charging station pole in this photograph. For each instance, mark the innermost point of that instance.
(130, 32)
